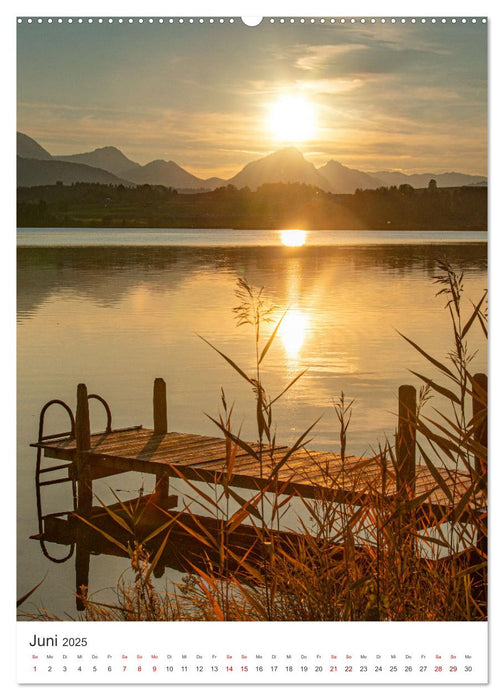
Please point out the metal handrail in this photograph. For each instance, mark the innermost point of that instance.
(39, 471)
(99, 398)
(42, 416)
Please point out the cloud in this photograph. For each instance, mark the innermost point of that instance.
(330, 86)
(317, 57)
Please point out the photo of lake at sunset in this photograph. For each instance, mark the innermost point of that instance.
(252, 320)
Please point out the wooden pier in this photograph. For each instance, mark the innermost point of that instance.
(308, 474)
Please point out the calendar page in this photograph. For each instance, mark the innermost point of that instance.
(252, 323)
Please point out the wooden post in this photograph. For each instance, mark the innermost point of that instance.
(159, 405)
(160, 428)
(480, 417)
(480, 421)
(84, 491)
(406, 441)
(406, 472)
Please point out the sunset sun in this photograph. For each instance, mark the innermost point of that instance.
(292, 118)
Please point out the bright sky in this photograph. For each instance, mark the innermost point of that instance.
(213, 97)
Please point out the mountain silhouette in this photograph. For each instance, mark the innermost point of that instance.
(29, 148)
(286, 165)
(107, 158)
(31, 172)
(213, 182)
(162, 172)
(345, 180)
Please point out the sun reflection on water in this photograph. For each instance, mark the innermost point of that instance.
(293, 238)
(293, 331)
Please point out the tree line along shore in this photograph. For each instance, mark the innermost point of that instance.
(271, 206)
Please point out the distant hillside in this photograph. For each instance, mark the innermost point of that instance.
(107, 158)
(286, 166)
(343, 180)
(213, 182)
(32, 172)
(29, 148)
(396, 177)
(166, 173)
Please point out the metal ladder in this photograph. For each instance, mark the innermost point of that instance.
(70, 466)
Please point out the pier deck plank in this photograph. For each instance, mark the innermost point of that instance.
(203, 458)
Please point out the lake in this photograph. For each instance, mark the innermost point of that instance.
(117, 308)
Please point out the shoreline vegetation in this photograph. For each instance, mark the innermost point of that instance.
(271, 206)
(379, 561)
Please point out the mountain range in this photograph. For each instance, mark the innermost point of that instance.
(108, 165)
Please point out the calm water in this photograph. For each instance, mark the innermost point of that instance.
(119, 308)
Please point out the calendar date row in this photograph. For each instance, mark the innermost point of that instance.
(268, 669)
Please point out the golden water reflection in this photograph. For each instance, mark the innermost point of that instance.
(293, 331)
(293, 238)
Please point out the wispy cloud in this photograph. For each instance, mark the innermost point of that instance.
(317, 57)
(330, 86)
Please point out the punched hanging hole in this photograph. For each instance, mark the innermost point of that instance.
(251, 21)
